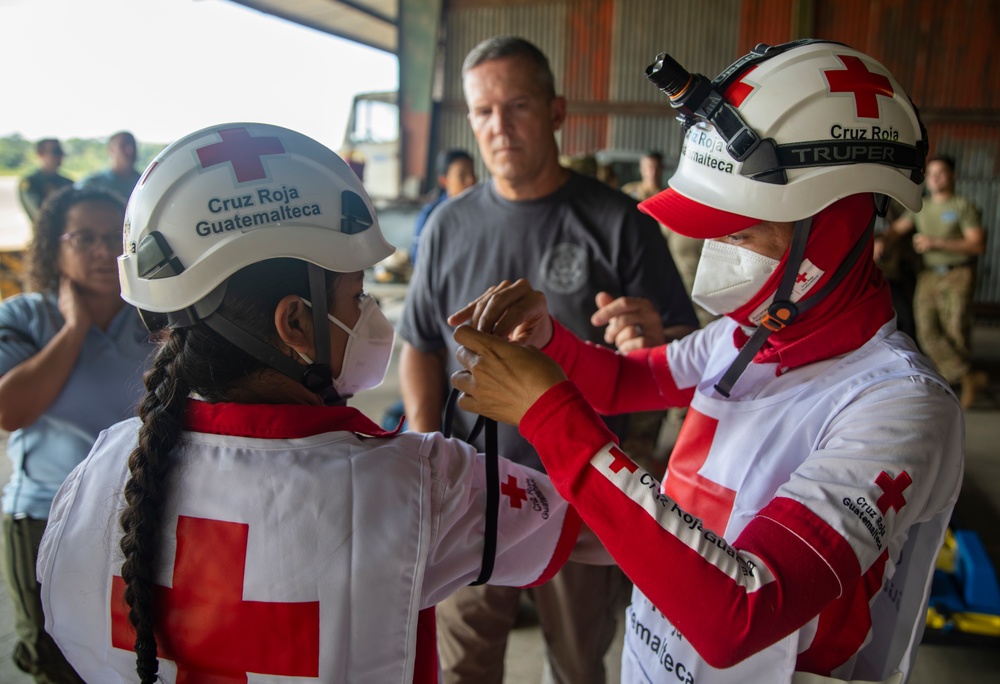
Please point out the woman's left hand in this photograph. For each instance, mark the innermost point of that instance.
(501, 380)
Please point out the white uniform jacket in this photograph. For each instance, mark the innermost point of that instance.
(300, 544)
(800, 518)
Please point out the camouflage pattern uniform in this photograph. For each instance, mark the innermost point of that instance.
(942, 306)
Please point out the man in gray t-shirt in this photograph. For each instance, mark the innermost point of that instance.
(576, 240)
(582, 239)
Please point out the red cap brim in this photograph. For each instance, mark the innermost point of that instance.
(691, 219)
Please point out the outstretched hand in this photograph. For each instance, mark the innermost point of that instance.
(501, 380)
(513, 311)
(632, 322)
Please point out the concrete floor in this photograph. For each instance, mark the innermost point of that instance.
(978, 508)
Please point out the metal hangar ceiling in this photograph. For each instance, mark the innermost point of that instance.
(370, 22)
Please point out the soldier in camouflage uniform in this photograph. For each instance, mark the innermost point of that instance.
(949, 236)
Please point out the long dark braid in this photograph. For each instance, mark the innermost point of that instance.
(162, 412)
(189, 360)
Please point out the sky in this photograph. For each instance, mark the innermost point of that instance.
(165, 68)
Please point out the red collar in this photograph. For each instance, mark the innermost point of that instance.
(278, 421)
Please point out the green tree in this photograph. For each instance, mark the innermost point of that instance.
(15, 153)
(83, 156)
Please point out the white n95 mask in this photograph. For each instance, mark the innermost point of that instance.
(729, 276)
(369, 348)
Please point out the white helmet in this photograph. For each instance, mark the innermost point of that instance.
(231, 195)
(783, 133)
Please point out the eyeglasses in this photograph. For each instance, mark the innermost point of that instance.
(85, 241)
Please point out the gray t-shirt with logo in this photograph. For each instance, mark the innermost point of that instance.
(582, 239)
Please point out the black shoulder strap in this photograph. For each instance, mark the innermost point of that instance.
(492, 481)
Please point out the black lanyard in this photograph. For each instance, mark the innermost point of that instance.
(492, 481)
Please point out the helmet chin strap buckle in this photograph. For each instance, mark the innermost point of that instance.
(779, 315)
(317, 377)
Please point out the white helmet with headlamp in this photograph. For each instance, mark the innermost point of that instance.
(782, 134)
(232, 195)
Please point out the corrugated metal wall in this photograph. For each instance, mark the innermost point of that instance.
(599, 51)
(941, 52)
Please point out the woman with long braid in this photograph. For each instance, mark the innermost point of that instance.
(248, 522)
(72, 356)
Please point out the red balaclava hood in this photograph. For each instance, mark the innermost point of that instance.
(850, 314)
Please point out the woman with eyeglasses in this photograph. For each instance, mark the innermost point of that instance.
(72, 356)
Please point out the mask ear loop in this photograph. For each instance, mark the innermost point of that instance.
(492, 481)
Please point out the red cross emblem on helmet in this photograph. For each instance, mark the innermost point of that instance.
(243, 151)
(865, 85)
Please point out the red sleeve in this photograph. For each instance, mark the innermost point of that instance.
(616, 383)
(730, 599)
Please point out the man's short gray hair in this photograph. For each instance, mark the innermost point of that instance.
(500, 47)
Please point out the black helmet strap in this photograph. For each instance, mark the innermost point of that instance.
(782, 311)
(316, 377)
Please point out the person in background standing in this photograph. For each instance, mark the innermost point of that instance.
(34, 188)
(686, 251)
(71, 362)
(592, 249)
(121, 175)
(948, 234)
(455, 173)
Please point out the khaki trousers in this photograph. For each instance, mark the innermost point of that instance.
(35, 653)
(942, 314)
(578, 611)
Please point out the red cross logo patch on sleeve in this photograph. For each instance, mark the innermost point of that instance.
(204, 625)
(865, 85)
(511, 490)
(242, 151)
(892, 496)
(621, 460)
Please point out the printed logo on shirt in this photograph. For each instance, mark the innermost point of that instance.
(565, 268)
(807, 276)
(872, 515)
(531, 494)
(539, 502)
(641, 636)
(513, 492)
(892, 491)
(208, 579)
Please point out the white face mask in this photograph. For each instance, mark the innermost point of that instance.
(369, 348)
(729, 276)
